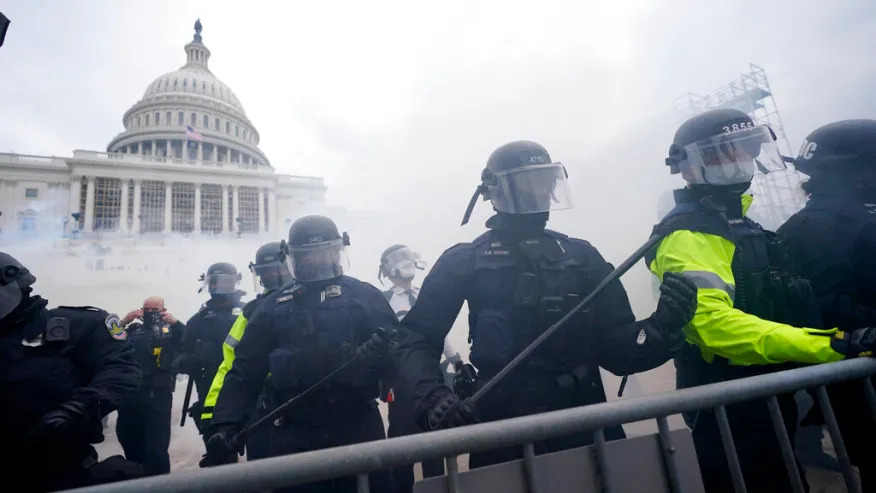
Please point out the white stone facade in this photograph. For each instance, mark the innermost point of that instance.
(157, 178)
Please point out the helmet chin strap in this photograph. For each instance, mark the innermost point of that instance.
(479, 191)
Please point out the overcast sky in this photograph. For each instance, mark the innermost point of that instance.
(394, 101)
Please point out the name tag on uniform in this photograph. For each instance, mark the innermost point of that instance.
(332, 291)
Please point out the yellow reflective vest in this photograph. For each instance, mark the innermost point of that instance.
(231, 341)
(718, 328)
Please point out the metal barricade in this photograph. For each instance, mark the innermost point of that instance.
(357, 460)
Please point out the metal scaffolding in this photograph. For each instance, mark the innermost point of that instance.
(778, 194)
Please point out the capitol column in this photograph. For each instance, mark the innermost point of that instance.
(235, 207)
(227, 154)
(224, 227)
(168, 151)
(168, 206)
(89, 205)
(261, 225)
(75, 194)
(200, 151)
(123, 208)
(273, 223)
(135, 225)
(197, 229)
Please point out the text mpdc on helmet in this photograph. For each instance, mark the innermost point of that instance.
(847, 146)
(269, 271)
(316, 251)
(401, 261)
(520, 178)
(723, 147)
(220, 278)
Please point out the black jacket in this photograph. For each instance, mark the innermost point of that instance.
(833, 243)
(205, 332)
(511, 300)
(301, 334)
(48, 357)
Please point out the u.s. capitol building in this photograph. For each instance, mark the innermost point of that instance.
(188, 162)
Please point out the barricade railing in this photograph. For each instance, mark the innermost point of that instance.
(358, 460)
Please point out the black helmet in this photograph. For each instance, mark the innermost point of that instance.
(13, 277)
(521, 178)
(839, 147)
(221, 278)
(399, 260)
(316, 250)
(722, 147)
(269, 271)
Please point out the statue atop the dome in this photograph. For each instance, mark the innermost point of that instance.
(198, 29)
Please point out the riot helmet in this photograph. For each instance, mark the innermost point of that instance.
(840, 152)
(269, 271)
(14, 277)
(316, 251)
(399, 261)
(220, 278)
(521, 178)
(723, 147)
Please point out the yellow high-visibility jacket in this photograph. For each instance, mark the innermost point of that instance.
(718, 328)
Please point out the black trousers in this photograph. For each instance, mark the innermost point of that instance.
(143, 427)
(857, 427)
(354, 427)
(402, 422)
(532, 395)
(760, 456)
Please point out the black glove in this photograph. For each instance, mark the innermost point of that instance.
(63, 423)
(374, 351)
(447, 411)
(221, 447)
(187, 364)
(676, 307)
(858, 343)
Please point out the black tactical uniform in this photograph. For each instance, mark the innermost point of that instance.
(61, 371)
(201, 347)
(833, 243)
(143, 425)
(301, 334)
(518, 279)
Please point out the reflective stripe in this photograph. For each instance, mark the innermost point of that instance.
(709, 280)
(231, 341)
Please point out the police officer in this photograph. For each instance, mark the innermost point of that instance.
(201, 347)
(143, 425)
(754, 315)
(300, 334)
(399, 264)
(832, 242)
(61, 371)
(518, 279)
(269, 273)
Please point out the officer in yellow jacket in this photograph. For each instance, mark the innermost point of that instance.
(753, 316)
(269, 273)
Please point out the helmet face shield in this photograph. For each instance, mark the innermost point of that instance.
(404, 263)
(270, 276)
(221, 283)
(731, 158)
(317, 261)
(531, 189)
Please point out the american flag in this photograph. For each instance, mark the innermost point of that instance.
(193, 134)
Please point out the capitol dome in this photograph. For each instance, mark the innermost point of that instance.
(191, 97)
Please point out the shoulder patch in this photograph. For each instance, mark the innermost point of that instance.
(114, 327)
